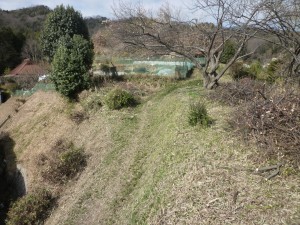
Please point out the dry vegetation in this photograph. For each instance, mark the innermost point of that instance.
(147, 165)
(267, 115)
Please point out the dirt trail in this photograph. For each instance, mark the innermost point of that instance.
(92, 198)
(148, 166)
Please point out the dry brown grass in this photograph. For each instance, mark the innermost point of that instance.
(148, 166)
(267, 115)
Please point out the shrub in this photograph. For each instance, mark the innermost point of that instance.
(71, 162)
(256, 68)
(239, 71)
(105, 69)
(31, 209)
(198, 115)
(10, 86)
(237, 92)
(229, 51)
(93, 102)
(78, 116)
(274, 70)
(272, 119)
(118, 98)
(64, 162)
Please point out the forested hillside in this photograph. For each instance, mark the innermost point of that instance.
(27, 20)
(20, 33)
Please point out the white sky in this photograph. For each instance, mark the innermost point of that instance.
(89, 7)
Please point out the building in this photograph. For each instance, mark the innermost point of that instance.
(27, 67)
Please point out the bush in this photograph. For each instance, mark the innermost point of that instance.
(198, 115)
(237, 92)
(9, 87)
(78, 116)
(93, 102)
(274, 70)
(64, 162)
(31, 209)
(118, 98)
(228, 52)
(239, 71)
(105, 69)
(256, 68)
(272, 119)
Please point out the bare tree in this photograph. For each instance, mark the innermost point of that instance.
(168, 32)
(32, 50)
(280, 19)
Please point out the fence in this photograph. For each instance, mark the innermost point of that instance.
(177, 67)
(37, 87)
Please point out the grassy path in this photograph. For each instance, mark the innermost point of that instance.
(148, 166)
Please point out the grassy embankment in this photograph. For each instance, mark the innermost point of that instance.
(147, 165)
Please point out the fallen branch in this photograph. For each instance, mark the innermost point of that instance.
(273, 174)
(268, 168)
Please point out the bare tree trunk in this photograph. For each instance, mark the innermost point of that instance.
(209, 80)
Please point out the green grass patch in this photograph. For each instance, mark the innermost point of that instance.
(198, 115)
(118, 98)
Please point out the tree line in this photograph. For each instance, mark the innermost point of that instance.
(20, 32)
(231, 21)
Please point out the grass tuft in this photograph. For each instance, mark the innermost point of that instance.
(198, 115)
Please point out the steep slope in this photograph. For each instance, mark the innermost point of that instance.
(148, 166)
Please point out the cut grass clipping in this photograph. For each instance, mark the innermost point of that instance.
(198, 115)
(31, 209)
(119, 98)
(64, 162)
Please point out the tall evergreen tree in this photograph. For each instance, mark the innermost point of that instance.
(61, 22)
(71, 64)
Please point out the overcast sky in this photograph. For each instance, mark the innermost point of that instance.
(87, 7)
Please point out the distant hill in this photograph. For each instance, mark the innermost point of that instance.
(31, 19)
(25, 20)
(19, 34)
(94, 23)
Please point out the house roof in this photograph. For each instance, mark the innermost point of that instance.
(27, 67)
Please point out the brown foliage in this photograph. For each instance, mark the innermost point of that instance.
(78, 116)
(269, 115)
(64, 162)
(274, 122)
(238, 92)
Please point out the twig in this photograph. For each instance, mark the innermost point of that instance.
(276, 172)
(264, 97)
(264, 169)
(235, 195)
(268, 168)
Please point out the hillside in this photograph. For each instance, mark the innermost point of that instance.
(147, 165)
(27, 19)
(31, 19)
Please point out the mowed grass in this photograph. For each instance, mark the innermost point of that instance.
(154, 168)
(178, 174)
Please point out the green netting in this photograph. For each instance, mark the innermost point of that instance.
(37, 87)
(178, 67)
